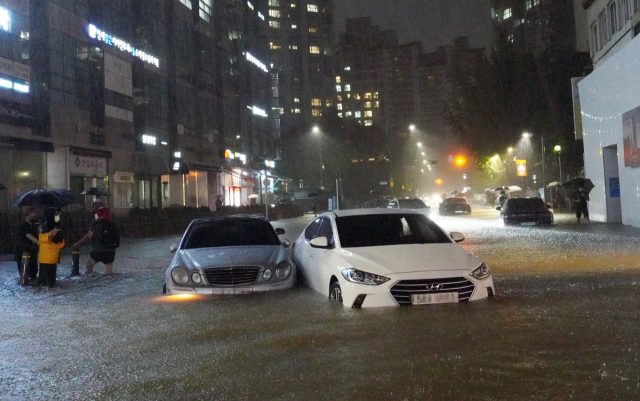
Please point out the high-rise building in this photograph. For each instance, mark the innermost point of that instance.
(164, 102)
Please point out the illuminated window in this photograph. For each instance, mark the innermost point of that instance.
(356, 96)
(358, 114)
(186, 3)
(339, 106)
(205, 9)
(338, 88)
(510, 38)
(340, 115)
(293, 47)
(507, 13)
(347, 114)
(368, 123)
(376, 104)
(296, 100)
(312, 8)
(294, 26)
(368, 113)
(293, 5)
(274, 24)
(367, 95)
(337, 80)
(274, 46)
(536, 2)
(375, 95)
(314, 49)
(329, 103)
(528, 4)
(297, 111)
(316, 113)
(347, 88)
(367, 105)
(339, 98)
(316, 102)
(274, 3)
(312, 30)
(274, 13)
(348, 95)
(347, 68)
(360, 122)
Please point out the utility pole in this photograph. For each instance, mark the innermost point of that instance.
(544, 187)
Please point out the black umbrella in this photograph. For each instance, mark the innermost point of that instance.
(66, 196)
(39, 197)
(577, 183)
(2, 187)
(94, 191)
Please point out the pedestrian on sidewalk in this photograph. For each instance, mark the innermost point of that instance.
(106, 239)
(580, 198)
(27, 241)
(558, 202)
(218, 203)
(503, 198)
(51, 241)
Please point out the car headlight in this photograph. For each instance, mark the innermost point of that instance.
(179, 275)
(196, 278)
(360, 277)
(267, 274)
(481, 272)
(283, 269)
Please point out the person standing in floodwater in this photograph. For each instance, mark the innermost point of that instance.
(27, 241)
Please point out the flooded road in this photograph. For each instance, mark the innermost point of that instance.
(564, 324)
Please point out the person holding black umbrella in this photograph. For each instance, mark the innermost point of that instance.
(27, 241)
(581, 198)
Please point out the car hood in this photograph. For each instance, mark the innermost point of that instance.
(267, 255)
(410, 258)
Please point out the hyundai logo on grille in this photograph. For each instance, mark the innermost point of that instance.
(434, 287)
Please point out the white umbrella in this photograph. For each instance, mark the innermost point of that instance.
(253, 196)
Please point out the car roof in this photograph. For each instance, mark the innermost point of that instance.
(522, 199)
(230, 217)
(372, 211)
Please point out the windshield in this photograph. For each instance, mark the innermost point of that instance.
(388, 229)
(412, 204)
(525, 204)
(455, 200)
(231, 232)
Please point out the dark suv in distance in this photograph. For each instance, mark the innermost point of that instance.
(454, 205)
(526, 211)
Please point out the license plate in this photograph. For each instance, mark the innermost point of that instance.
(529, 223)
(232, 290)
(441, 298)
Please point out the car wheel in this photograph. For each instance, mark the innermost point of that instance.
(335, 292)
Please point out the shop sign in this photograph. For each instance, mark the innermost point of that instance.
(15, 114)
(90, 166)
(14, 69)
(102, 36)
(270, 163)
(235, 155)
(123, 178)
(7, 142)
(521, 168)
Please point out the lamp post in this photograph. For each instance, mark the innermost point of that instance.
(544, 188)
(558, 150)
(316, 131)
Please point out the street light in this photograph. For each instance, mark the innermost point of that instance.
(419, 144)
(510, 150)
(558, 150)
(412, 127)
(316, 131)
(527, 135)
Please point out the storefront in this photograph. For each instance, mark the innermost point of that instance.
(87, 169)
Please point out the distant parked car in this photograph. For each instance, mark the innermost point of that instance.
(454, 205)
(525, 211)
(412, 203)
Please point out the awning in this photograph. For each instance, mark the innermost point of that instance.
(13, 143)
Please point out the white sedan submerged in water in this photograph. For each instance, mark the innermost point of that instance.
(388, 257)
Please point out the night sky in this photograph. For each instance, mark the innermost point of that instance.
(434, 22)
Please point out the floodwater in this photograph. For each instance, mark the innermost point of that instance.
(563, 325)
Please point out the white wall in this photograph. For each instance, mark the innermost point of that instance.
(610, 91)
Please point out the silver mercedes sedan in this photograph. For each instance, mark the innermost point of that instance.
(230, 255)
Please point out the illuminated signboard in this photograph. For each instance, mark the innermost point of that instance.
(235, 155)
(148, 139)
(102, 36)
(260, 15)
(521, 168)
(256, 62)
(258, 111)
(16, 86)
(5, 19)
(270, 163)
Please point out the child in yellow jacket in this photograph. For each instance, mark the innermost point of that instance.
(49, 256)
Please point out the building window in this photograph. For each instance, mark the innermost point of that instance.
(368, 95)
(348, 95)
(594, 38)
(367, 105)
(338, 88)
(312, 8)
(347, 114)
(273, 46)
(347, 68)
(339, 106)
(625, 11)
(506, 14)
(368, 123)
(340, 115)
(613, 17)
(312, 29)
(536, 2)
(368, 113)
(297, 111)
(376, 104)
(293, 47)
(314, 50)
(328, 103)
(602, 29)
(358, 114)
(529, 4)
(293, 5)
(274, 13)
(186, 3)
(274, 3)
(316, 113)
(375, 95)
(316, 102)
(337, 80)
(347, 88)
(294, 26)
(205, 10)
(357, 96)
(296, 100)
(510, 38)
(274, 24)
(339, 98)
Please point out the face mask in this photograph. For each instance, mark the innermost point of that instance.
(96, 216)
(57, 219)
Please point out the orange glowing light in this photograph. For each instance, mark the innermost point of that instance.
(179, 298)
(439, 181)
(461, 161)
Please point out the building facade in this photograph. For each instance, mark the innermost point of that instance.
(612, 25)
(164, 102)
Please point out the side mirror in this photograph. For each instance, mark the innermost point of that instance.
(173, 248)
(320, 242)
(499, 208)
(279, 231)
(456, 236)
(286, 243)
